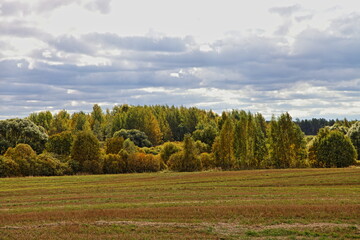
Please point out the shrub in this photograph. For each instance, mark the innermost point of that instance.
(207, 160)
(8, 167)
(186, 160)
(151, 150)
(202, 147)
(129, 146)
(25, 157)
(114, 163)
(93, 166)
(114, 145)
(48, 165)
(176, 161)
(141, 162)
(169, 149)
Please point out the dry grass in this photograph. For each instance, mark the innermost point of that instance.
(242, 199)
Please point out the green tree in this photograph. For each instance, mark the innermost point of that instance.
(354, 135)
(80, 122)
(186, 160)
(206, 132)
(60, 122)
(287, 144)
(191, 162)
(142, 118)
(86, 147)
(114, 145)
(336, 150)
(60, 143)
(173, 117)
(15, 131)
(42, 119)
(97, 120)
(139, 138)
(223, 147)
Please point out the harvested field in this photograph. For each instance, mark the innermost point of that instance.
(254, 204)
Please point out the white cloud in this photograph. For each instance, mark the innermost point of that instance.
(260, 55)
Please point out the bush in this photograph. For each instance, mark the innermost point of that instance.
(48, 165)
(114, 145)
(176, 161)
(141, 162)
(169, 149)
(8, 167)
(93, 166)
(114, 163)
(207, 160)
(129, 146)
(25, 157)
(186, 160)
(86, 148)
(60, 143)
(202, 147)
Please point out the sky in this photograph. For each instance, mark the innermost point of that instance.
(273, 56)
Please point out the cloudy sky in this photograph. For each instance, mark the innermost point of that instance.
(264, 56)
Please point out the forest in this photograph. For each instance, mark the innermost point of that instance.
(155, 138)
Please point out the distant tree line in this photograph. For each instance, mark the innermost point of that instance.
(312, 126)
(153, 138)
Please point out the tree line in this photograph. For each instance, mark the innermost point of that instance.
(153, 138)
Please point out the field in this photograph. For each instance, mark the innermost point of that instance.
(256, 204)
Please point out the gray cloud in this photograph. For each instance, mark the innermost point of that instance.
(164, 44)
(302, 18)
(285, 11)
(348, 25)
(21, 29)
(103, 6)
(71, 44)
(45, 6)
(13, 8)
(317, 75)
